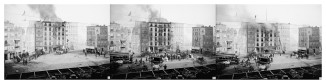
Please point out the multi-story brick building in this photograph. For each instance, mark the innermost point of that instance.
(50, 36)
(119, 37)
(97, 37)
(225, 37)
(309, 38)
(178, 37)
(262, 37)
(13, 37)
(202, 38)
(158, 35)
(72, 35)
(284, 32)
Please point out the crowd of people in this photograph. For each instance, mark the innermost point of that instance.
(96, 51)
(148, 60)
(24, 56)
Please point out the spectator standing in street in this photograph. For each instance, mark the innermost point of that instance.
(95, 52)
(23, 57)
(104, 53)
(141, 60)
(85, 52)
(136, 61)
(165, 67)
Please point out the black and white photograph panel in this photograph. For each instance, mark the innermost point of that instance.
(162, 42)
(51, 41)
(271, 41)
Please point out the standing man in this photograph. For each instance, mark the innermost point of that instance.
(85, 52)
(165, 67)
(95, 52)
(24, 57)
(104, 52)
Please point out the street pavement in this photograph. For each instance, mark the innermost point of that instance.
(78, 59)
(280, 62)
(170, 64)
(55, 61)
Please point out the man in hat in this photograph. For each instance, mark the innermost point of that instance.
(165, 67)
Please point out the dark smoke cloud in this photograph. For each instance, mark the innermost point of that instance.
(153, 13)
(232, 13)
(46, 11)
(128, 14)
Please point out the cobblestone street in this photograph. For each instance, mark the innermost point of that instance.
(54, 61)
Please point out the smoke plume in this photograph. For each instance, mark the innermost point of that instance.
(46, 11)
(233, 13)
(153, 14)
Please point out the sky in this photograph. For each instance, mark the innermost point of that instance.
(300, 14)
(91, 14)
(189, 14)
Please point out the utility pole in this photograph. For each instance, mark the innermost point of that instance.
(266, 14)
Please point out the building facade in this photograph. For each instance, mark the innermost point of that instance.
(202, 38)
(13, 37)
(97, 37)
(118, 38)
(225, 38)
(309, 38)
(72, 35)
(262, 38)
(285, 38)
(158, 35)
(178, 37)
(50, 36)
